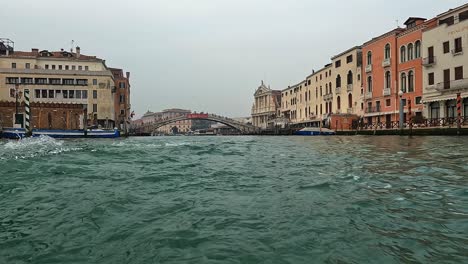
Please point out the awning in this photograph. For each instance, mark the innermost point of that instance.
(439, 98)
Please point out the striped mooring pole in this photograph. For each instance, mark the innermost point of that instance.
(458, 112)
(410, 121)
(27, 110)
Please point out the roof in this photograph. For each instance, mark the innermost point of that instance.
(52, 54)
(346, 51)
(412, 19)
(452, 10)
(176, 110)
(395, 31)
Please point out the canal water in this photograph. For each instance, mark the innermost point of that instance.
(235, 200)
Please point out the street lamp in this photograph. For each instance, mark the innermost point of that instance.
(400, 94)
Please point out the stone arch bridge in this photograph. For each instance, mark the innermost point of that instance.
(242, 127)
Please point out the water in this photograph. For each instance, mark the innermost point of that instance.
(235, 200)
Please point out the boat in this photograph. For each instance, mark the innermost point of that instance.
(315, 131)
(17, 133)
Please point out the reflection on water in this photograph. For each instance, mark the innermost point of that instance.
(234, 200)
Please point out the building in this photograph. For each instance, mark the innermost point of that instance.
(266, 106)
(122, 106)
(65, 87)
(445, 66)
(381, 102)
(322, 95)
(178, 127)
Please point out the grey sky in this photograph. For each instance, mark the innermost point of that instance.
(207, 55)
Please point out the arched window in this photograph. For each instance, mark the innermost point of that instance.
(338, 81)
(387, 80)
(410, 51)
(326, 88)
(338, 102)
(330, 85)
(350, 77)
(434, 110)
(369, 58)
(417, 49)
(350, 100)
(330, 107)
(410, 81)
(369, 83)
(403, 54)
(387, 51)
(403, 82)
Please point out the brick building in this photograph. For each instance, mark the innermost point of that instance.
(122, 106)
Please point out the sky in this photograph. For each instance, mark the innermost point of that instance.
(207, 55)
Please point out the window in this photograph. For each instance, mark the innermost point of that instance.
(67, 67)
(320, 90)
(337, 63)
(51, 94)
(377, 106)
(37, 93)
(78, 94)
(326, 74)
(430, 78)
(122, 98)
(402, 54)
(122, 112)
(68, 81)
(65, 94)
(338, 81)
(387, 51)
(458, 45)
(86, 68)
(60, 67)
(12, 80)
(418, 100)
(80, 68)
(27, 65)
(369, 84)
(320, 76)
(417, 49)
(463, 16)
(349, 59)
(71, 94)
(27, 80)
(349, 78)
(387, 80)
(350, 101)
(94, 81)
(53, 67)
(447, 79)
(403, 82)
(369, 58)
(410, 51)
(84, 94)
(308, 82)
(388, 102)
(410, 82)
(338, 102)
(47, 66)
(82, 82)
(446, 46)
(73, 67)
(359, 77)
(449, 21)
(44, 93)
(94, 94)
(13, 65)
(122, 85)
(94, 108)
(459, 73)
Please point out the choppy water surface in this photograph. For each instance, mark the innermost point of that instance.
(235, 200)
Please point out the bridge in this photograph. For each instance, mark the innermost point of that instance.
(241, 127)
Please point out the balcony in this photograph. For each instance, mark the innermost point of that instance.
(349, 87)
(338, 90)
(349, 110)
(461, 84)
(386, 62)
(368, 95)
(386, 91)
(375, 109)
(456, 52)
(328, 97)
(431, 87)
(368, 68)
(429, 61)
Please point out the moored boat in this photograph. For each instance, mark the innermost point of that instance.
(16, 133)
(315, 131)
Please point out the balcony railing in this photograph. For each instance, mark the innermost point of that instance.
(453, 85)
(386, 62)
(349, 87)
(375, 109)
(431, 87)
(423, 123)
(369, 95)
(386, 91)
(337, 90)
(429, 61)
(328, 97)
(368, 68)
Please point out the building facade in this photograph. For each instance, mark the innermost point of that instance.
(122, 106)
(265, 109)
(445, 65)
(60, 78)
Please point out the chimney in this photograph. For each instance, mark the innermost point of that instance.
(128, 75)
(35, 51)
(78, 52)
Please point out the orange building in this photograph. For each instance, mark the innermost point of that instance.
(379, 78)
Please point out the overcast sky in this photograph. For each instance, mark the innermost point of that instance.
(207, 55)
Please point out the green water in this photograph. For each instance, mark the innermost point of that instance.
(235, 200)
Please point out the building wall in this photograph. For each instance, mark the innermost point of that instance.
(435, 37)
(321, 81)
(266, 106)
(122, 106)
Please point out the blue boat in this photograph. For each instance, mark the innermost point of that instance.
(315, 131)
(17, 133)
